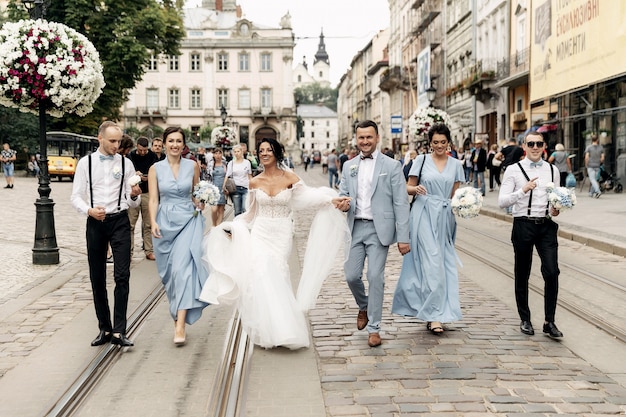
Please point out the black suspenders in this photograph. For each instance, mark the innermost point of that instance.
(530, 197)
(119, 196)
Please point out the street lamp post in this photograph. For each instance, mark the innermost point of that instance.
(431, 94)
(223, 114)
(45, 249)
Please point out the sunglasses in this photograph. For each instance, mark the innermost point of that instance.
(532, 144)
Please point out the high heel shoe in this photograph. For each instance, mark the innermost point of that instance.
(179, 341)
(438, 330)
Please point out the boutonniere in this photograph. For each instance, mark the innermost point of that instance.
(117, 173)
(354, 169)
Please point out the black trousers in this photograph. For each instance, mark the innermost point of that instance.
(543, 236)
(116, 231)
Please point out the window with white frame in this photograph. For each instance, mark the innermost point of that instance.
(266, 98)
(153, 63)
(244, 98)
(194, 61)
(222, 97)
(244, 62)
(173, 63)
(222, 61)
(152, 99)
(173, 98)
(196, 98)
(266, 61)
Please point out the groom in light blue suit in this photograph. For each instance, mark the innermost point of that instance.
(378, 216)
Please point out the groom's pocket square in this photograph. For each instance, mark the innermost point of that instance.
(382, 174)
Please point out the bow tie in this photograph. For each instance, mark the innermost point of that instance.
(106, 157)
(367, 157)
(536, 164)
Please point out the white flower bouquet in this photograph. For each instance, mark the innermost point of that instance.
(206, 192)
(223, 136)
(561, 198)
(134, 180)
(424, 118)
(467, 202)
(48, 64)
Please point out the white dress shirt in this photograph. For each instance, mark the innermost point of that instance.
(364, 187)
(511, 193)
(107, 179)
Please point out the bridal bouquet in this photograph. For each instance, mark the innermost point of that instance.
(424, 118)
(206, 192)
(561, 198)
(223, 136)
(134, 180)
(467, 202)
(48, 64)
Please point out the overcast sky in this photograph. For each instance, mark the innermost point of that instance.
(348, 25)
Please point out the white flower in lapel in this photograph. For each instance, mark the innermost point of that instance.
(117, 173)
(354, 169)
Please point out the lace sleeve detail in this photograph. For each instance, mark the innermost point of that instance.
(305, 197)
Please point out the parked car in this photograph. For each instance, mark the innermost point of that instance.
(317, 157)
(62, 166)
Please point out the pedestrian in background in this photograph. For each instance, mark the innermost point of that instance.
(479, 163)
(524, 189)
(241, 171)
(178, 228)
(143, 158)
(8, 164)
(428, 287)
(218, 174)
(333, 169)
(495, 167)
(102, 191)
(378, 216)
(594, 157)
(560, 159)
(33, 166)
(157, 148)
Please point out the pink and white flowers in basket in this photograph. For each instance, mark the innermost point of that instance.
(467, 202)
(48, 64)
(424, 118)
(223, 136)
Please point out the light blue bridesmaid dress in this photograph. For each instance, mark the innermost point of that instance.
(179, 251)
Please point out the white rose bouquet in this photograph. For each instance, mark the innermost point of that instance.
(206, 192)
(48, 64)
(561, 198)
(467, 202)
(424, 118)
(134, 180)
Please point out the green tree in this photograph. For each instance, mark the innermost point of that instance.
(316, 93)
(125, 33)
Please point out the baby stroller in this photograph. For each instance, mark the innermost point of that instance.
(608, 181)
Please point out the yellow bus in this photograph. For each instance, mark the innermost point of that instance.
(64, 149)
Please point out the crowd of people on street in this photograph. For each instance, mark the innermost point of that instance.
(365, 209)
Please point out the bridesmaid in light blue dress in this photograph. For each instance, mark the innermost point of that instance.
(177, 231)
(428, 287)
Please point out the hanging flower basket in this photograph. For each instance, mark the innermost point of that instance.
(223, 136)
(48, 64)
(424, 118)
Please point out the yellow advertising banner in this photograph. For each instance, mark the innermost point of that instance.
(575, 43)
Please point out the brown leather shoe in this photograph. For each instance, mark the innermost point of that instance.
(150, 256)
(361, 319)
(374, 340)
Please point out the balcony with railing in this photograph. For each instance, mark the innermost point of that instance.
(427, 12)
(518, 63)
(390, 79)
(151, 112)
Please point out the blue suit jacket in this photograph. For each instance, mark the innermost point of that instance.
(390, 202)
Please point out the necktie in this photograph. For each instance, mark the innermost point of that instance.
(536, 164)
(106, 157)
(367, 157)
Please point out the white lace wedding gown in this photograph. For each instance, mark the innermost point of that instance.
(249, 268)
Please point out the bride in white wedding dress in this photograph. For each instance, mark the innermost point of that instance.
(248, 258)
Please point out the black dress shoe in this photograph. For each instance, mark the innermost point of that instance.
(527, 328)
(551, 329)
(102, 338)
(122, 340)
